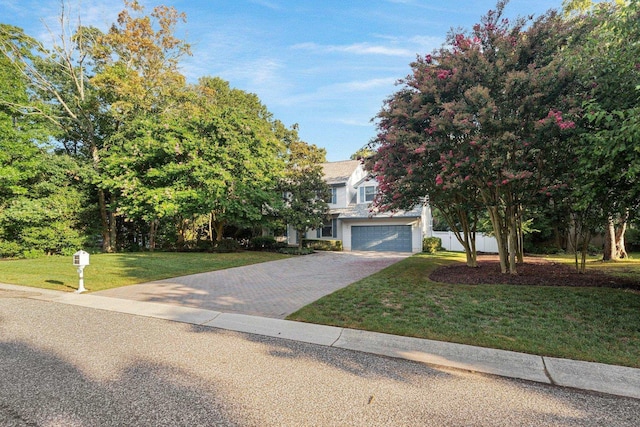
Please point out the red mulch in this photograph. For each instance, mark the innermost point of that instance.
(534, 272)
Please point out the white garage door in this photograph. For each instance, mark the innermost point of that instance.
(392, 238)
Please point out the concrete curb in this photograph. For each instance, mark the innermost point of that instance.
(609, 379)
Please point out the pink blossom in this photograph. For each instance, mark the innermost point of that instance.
(443, 74)
(439, 180)
(428, 59)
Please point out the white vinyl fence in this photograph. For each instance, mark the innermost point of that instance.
(484, 243)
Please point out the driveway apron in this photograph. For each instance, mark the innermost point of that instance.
(271, 289)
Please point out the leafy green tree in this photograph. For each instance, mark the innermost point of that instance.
(138, 83)
(58, 82)
(18, 154)
(39, 205)
(242, 136)
(607, 66)
(362, 153)
(47, 218)
(216, 156)
(303, 188)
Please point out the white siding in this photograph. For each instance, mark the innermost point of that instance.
(341, 198)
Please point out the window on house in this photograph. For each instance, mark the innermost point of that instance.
(329, 228)
(367, 193)
(334, 195)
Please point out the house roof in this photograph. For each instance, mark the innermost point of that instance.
(361, 211)
(339, 172)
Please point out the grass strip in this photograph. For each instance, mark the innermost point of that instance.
(592, 324)
(108, 271)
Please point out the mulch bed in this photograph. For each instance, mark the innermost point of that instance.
(534, 272)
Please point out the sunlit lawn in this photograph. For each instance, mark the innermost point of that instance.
(113, 270)
(594, 324)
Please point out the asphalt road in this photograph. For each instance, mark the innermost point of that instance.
(63, 365)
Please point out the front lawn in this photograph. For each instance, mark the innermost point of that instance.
(593, 324)
(113, 270)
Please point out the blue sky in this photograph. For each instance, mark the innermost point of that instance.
(326, 65)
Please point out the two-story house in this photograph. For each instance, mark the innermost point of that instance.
(353, 221)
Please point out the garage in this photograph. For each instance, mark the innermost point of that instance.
(381, 238)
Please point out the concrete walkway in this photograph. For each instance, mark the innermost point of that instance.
(269, 289)
(615, 380)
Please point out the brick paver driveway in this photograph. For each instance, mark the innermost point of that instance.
(270, 289)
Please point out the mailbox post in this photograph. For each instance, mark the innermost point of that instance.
(81, 260)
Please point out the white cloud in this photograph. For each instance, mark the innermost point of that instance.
(268, 4)
(356, 48)
(355, 122)
(340, 93)
(363, 85)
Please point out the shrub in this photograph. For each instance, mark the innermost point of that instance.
(431, 244)
(323, 245)
(33, 253)
(295, 251)
(227, 245)
(262, 243)
(9, 249)
(632, 239)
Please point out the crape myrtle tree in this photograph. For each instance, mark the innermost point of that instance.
(407, 170)
(465, 128)
(607, 64)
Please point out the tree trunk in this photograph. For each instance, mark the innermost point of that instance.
(113, 229)
(614, 239)
(498, 230)
(520, 236)
(513, 246)
(609, 241)
(621, 252)
(472, 254)
(104, 221)
(219, 229)
(465, 234)
(211, 227)
(153, 228)
(180, 226)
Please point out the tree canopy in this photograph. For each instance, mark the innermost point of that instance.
(497, 119)
(162, 161)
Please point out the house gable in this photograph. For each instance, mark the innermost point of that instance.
(341, 177)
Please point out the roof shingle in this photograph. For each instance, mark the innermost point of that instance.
(339, 172)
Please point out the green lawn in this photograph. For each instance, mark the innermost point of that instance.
(113, 270)
(593, 324)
